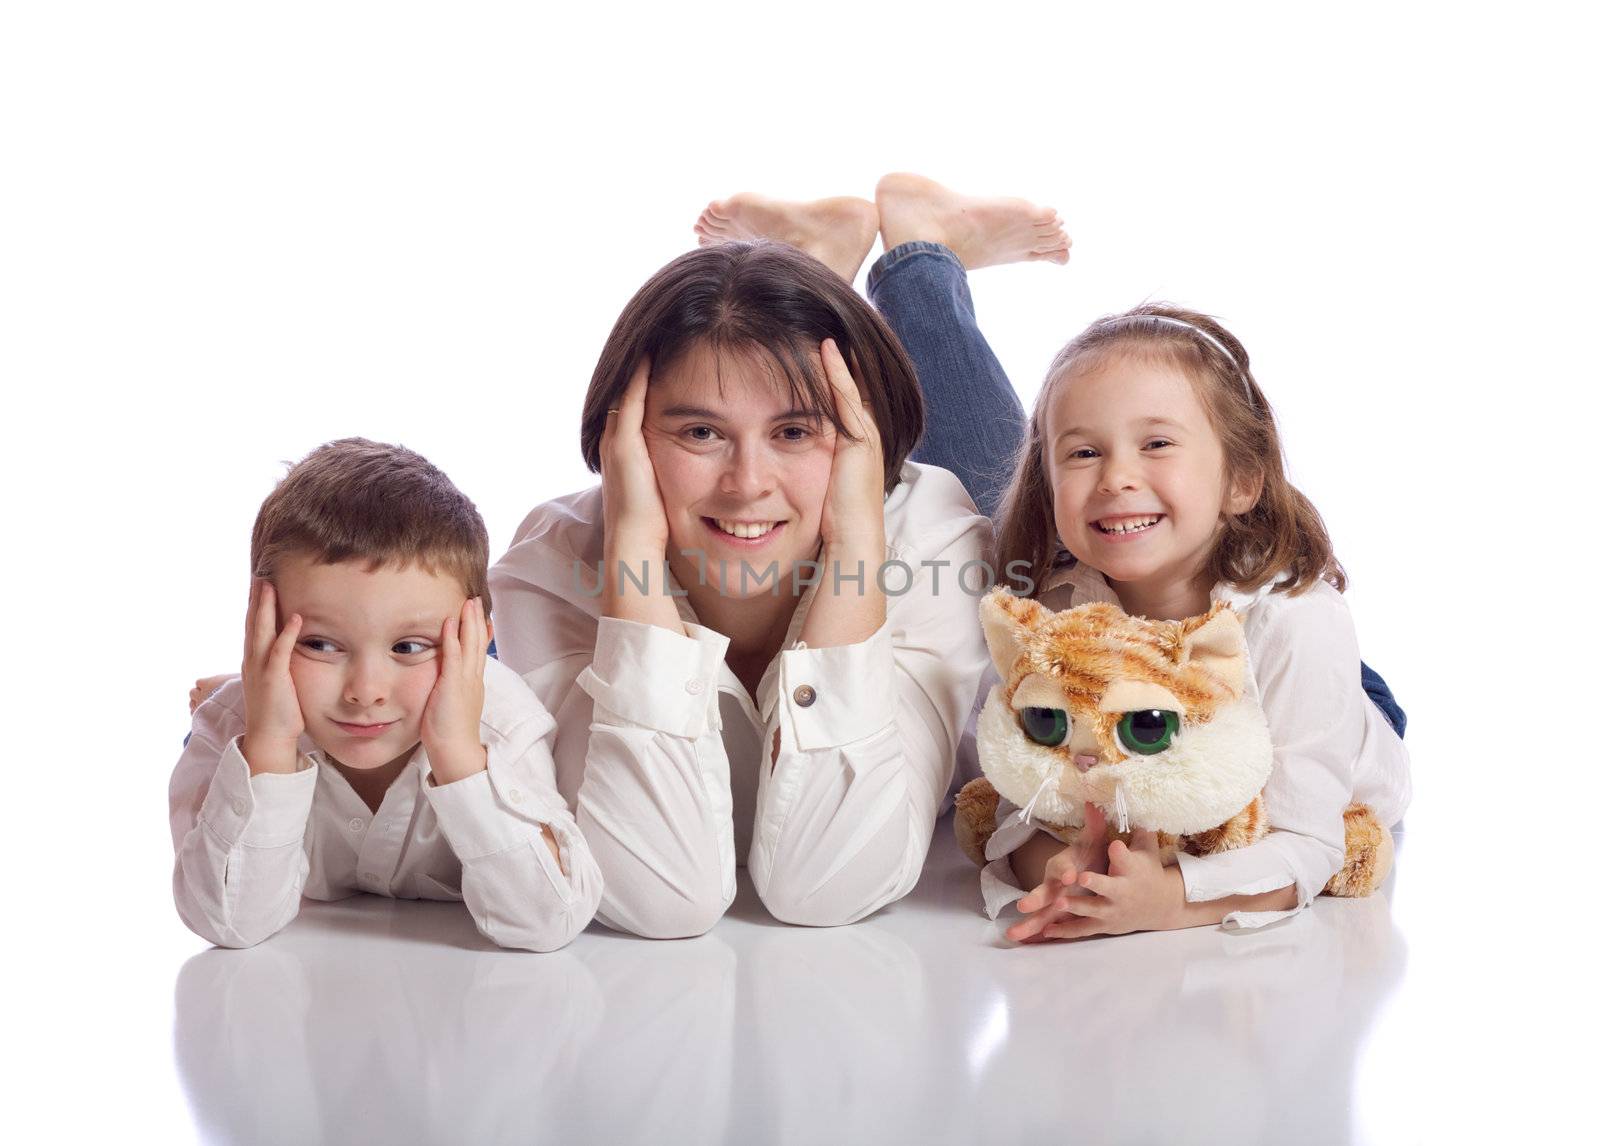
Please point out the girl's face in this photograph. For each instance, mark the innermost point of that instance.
(1137, 474)
(743, 473)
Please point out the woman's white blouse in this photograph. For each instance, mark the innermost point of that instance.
(1331, 747)
(669, 760)
(248, 847)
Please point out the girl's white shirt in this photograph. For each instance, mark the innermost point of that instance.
(668, 759)
(1331, 747)
(248, 847)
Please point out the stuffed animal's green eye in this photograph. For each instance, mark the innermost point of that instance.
(1047, 726)
(1148, 732)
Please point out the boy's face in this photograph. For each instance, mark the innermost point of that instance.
(366, 660)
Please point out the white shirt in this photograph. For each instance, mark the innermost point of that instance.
(1331, 747)
(668, 757)
(249, 847)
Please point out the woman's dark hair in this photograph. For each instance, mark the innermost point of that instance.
(735, 297)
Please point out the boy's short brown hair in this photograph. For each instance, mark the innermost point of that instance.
(355, 500)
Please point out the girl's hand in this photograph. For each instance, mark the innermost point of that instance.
(1048, 903)
(1138, 894)
(272, 718)
(450, 722)
(852, 515)
(635, 519)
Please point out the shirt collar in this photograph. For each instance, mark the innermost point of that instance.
(1067, 586)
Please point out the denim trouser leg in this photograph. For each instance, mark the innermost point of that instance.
(975, 422)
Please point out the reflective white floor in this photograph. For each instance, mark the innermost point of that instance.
(386, 1021)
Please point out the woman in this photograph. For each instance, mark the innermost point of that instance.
(758, 635)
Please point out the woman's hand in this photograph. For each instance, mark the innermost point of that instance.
(635, 519)
(852, 515)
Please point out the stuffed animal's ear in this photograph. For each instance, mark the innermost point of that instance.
(1006, 620)
(1216, 643)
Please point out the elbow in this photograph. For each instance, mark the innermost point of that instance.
(669, 916)
(803, 906)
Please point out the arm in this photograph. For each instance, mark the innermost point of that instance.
(639, 751)
(239, 840)
(1304, 659)
(845, 812)
(527, 875)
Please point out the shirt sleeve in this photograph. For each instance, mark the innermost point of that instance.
(1308, 670)
(517, 893)
(867, 737)
(239, 840)
(656, 804)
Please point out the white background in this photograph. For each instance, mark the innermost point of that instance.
(230, 233)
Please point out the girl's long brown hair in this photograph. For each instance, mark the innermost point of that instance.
(1282, 533)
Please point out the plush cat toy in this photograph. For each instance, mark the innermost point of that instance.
(1149, 720)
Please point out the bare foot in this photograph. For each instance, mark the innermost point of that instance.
(982, 232)
(837, 232)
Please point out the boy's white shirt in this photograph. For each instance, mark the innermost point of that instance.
(668, 758)
(249, 847)
(1331, 747)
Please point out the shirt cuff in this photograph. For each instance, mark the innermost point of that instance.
(655, 678)
(839, 695)
(485, 813)
(265, 811)
(1240, 872)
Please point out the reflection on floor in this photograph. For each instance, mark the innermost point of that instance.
(386, 1021)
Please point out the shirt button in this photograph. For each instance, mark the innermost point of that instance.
(357, 825)
(805, 696)
(238, 807)
(514, 796)
(694, 688)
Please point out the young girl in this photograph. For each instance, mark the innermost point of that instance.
(1152, 477)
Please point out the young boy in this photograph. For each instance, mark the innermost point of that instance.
(369, 745)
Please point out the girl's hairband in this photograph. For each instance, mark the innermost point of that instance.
(1193, 329)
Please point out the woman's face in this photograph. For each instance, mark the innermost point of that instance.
(743, 473)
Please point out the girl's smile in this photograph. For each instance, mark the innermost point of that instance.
(1136, 471)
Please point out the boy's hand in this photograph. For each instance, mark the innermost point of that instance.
(1050, 902)
(450, 733)
(272, 719)
(1138, 894)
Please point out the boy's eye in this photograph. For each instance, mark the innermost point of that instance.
(411, 648)
(318, 645)
(1157, 443)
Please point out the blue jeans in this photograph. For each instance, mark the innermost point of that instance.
(975, 424)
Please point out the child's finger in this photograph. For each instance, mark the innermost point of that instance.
(1100, 885)
(479, 647)
(283, 646)
(450, 646)
(1073, 929)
